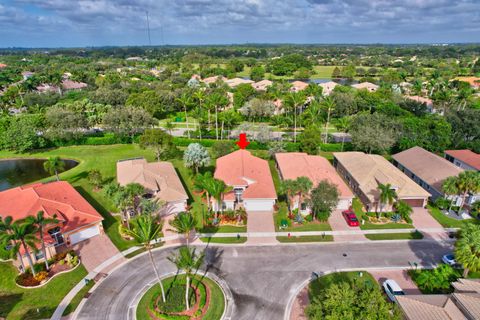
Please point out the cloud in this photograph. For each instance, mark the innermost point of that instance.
(97, 22)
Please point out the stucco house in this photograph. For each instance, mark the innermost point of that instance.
(327, 87)
(250, 179)
(297, 164)
(262, 85)
(159, 179)
(365, 172)
(232, 83)
(465, 159)
(77, 219)
(298, 86)
(366, 85)
(427, 169)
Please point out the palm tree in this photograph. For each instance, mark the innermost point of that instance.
(145, 229)
(184, 223)
(187, 260)
(294, 100)
(169, 126)
(53, 165)
(329, 104)
(450, 188)
(217, 189)
(41, 223)
(290, 188)
(21, 234)
(304, 185)
(185, 101)
(5, 227)
(468, 182)
(199, 95)
(343, 124)
(403, 209)
(387, 195)
(217, 100)
(202, 183)
(467, 248)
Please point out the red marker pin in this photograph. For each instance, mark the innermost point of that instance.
(242, 141)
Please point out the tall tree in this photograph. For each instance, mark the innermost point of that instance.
(467, 248)
(202, 183)
(186, 102)
(304, 185)
(146, 229)
(184, 223)
(158, 140)
(196, 156)
(329, 104)
(450, 188)
(53, 165)
(387, 195)
(468, 182)
(323, 199)
(189, 261)
(41, 222)
(295, 100)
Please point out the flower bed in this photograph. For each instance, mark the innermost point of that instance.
(61, 263)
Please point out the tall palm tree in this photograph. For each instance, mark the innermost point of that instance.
(467, 248)
(290, 188)
(5, 227)
(294, 100)
(53, 165)
(217, 190)
(21, 234)
(202, 183)
(387, 195)
(189, 261)
(145, 229)
(41, 222)
(217, 100)
(343, 124)
(199, 95)
(468, 182)
(329, 104)
(450, 188)
(185, 101)
(304, 185)
(184, 223)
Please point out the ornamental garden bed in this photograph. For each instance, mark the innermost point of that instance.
(61, 263)
(205, 297)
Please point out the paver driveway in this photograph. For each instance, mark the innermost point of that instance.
(94, 251)
(260, 222)
(400, 276)
(338, 223)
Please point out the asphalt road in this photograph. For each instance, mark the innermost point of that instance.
(261, 279)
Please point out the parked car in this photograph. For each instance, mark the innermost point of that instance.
(449, 259)
(392, 289)
(351, 218)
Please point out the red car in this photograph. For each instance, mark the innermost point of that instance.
(351, 218)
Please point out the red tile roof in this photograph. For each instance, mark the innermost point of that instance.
(59, 198)
(467, 156)
(240, 168)
(297, 164)
(2, 65)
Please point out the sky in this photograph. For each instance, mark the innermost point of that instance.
(84, 23)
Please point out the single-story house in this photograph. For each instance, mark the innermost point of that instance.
(27, 74)
(428, 102)
(232, 83)
(213, 79)
(159, 179)
(2, 65)
(427, 169)
(77, 219)
(365, 172)
(341, 137)
(462, 304)
(366, 85)
(465, 159)
(297, 164)
(473, 81)
(250, 179)
(298, 86)
(262, 85)
(328, 87)
(73, 85)
(47, 88)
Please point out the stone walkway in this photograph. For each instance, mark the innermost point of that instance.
(338, 223)
(260, 222)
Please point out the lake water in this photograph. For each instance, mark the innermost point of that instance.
(17, 172)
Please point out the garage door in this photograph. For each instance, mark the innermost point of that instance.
(416, 203)
(258, 205)
(84, 234)
(343, 204)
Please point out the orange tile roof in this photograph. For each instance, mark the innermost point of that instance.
(473, 81)
(240, 168)
(469, 157)
(297, 164)
(59, 198)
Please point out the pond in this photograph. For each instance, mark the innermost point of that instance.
(17, 172)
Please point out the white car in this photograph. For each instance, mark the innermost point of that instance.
(392, 289)
(449, 259)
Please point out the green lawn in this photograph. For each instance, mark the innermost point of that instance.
(446, 221)
(224, 229)
(215, 310)
(18, 303)
(227, 240)
(285, 239)
(395, 236)
(72, 306)
(357, 208)
(282, 213)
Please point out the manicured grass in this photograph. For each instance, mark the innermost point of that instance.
(72, 306)
(224, 229)
(215, 309)
(287, 239)
(227, 240)
(324, 282)
(446, 221)
(322, 71)
(357, 208)
(102, 158)
(282, 213)
(395, 236)
(18, 303)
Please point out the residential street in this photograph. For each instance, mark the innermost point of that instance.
(261, 278)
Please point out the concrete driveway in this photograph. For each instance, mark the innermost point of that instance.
(260, 222)
(400, 276)
(94, 251)
(262, 279)
(422, 219)
(338, 223)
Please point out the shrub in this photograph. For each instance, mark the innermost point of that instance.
(27, 280)
(42, 275)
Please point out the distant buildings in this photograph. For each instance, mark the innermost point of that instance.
(328, 87)
(366, 85)
(298, 86)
